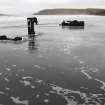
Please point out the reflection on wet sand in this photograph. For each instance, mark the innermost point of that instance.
(32, 44)
(13, 42)
(65, 67)
(31, 39)
(73, 27)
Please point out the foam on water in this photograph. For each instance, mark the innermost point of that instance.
(6, 79)
(83, 87)
(37, 66)
(8, 69)
(13, 65)
(27, 83)
(7, 88)
(37, 96)
(63, 42)
(102, 83)
(17, 101)
(27, 77)
(94, 70)
(71, 100)
(21, 70)
(64, 92)
(2, 93)
(86, 74)
(46, 100)
(86, 69)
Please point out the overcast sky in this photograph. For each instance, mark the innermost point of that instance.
(31, 6)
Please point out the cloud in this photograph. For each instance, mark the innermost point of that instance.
(26, 6)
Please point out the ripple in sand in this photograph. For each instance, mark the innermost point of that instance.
(46, 94)
(39, 81)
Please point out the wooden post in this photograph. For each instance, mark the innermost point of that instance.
(31, 32)
(30, 23)
(32, 45)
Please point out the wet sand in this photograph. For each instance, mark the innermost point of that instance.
(63, 66)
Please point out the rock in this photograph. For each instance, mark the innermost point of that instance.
(17, 38)
(3, 37)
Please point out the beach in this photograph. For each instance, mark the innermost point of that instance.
(60, 66)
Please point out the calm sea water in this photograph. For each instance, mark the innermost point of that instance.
(60, 66)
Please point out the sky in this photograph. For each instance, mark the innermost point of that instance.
(32, 6)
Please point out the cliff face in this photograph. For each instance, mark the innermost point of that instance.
(89, 11)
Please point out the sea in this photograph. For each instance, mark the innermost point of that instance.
(59, 66)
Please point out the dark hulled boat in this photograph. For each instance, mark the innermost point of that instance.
(72, 23)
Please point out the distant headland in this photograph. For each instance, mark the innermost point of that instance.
(5, 15)
(63, 11)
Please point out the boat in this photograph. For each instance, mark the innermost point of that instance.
(72, 23)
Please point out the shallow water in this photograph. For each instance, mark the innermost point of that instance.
(61, 66)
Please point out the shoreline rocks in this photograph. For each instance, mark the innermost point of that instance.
(4, 37)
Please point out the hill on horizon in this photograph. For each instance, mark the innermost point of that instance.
(1, 14)
(63, 11)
